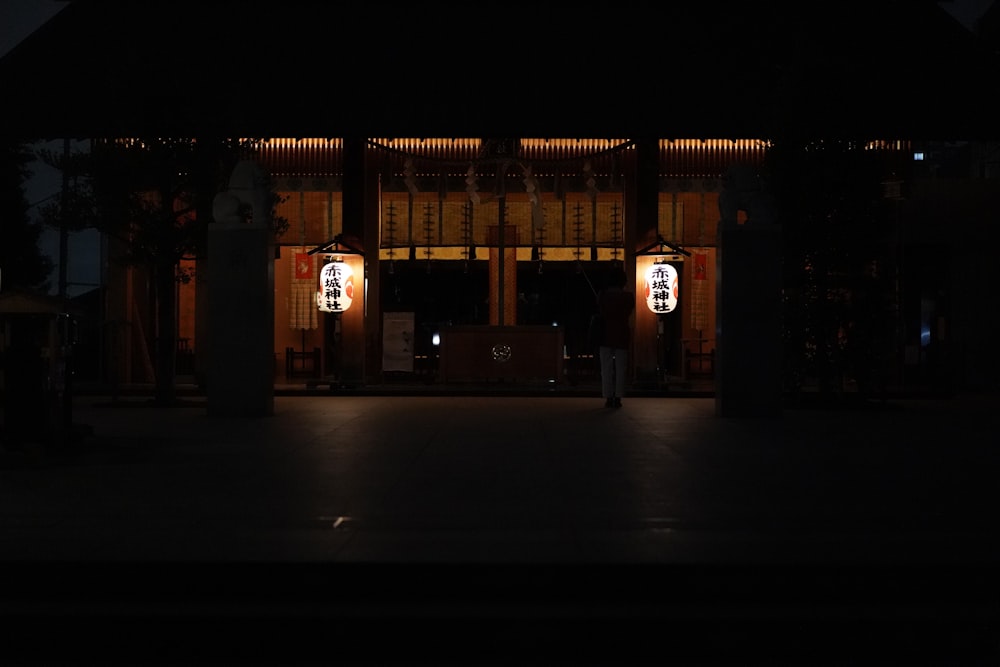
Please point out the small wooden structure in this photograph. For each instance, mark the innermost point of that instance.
(36, 338)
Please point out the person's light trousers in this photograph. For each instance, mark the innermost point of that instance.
(613, 363)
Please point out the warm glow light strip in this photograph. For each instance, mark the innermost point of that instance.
(890, 145)
(416, 145)
(315, 151)
(715, 144)
(304, 142)
(589, 145)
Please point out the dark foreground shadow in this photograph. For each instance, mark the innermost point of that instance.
(512, 615)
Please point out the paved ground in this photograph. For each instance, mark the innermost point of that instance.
(409, 515)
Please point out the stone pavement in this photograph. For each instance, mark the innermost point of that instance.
(408, 511)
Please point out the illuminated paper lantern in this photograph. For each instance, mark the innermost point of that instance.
(336, 287)
(662, 288)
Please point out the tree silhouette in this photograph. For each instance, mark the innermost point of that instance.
(835, 225)
(22, 263)
(152, 197)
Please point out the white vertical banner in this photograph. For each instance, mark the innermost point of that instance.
(397, 341)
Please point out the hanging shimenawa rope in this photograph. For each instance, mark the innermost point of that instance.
(409, 177)
(471, 184)
(531, 187)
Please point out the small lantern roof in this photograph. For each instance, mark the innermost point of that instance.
(660, 243)
(333, 245)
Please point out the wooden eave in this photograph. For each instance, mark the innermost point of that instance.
(881, 68)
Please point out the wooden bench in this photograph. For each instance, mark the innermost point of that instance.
(303, 364)
(700, 362)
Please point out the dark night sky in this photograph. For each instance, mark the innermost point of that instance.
(22, 17)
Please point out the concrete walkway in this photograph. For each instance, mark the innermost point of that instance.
(531, 500)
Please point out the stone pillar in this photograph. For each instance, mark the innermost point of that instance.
(748, 362)
(240, 378)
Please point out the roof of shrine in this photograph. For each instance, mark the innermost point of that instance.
(881, 68)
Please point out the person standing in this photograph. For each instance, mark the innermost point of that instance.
(615, 305)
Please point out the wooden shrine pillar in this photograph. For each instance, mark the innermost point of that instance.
(642, 198)
(353, 356)
(503, 275)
